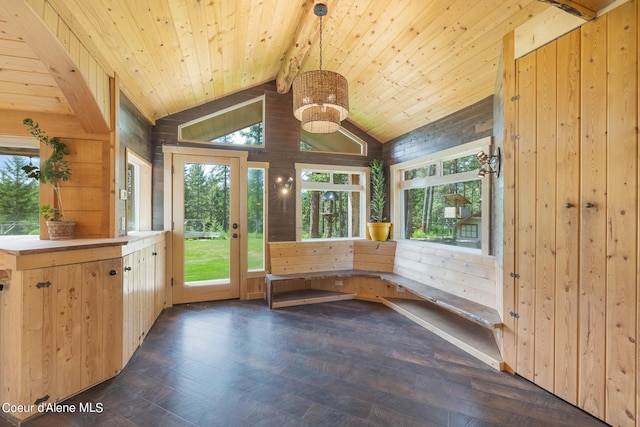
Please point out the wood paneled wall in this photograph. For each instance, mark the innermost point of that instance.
(87, 196)
(469, 124)
(97, 79)
(282, 139)
(571, 270)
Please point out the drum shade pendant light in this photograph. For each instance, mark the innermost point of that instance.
(320, 97)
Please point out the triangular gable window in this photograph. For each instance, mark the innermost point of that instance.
(241, 124)
(342, 141)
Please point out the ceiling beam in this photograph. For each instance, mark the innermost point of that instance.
(306, 32)
(58, 62)
(574, 8)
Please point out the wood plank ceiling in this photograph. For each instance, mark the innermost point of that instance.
(408, 62)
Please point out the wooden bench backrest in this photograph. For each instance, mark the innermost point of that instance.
(311, 256)
(468, 275)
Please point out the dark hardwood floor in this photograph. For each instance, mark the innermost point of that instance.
(348, 363)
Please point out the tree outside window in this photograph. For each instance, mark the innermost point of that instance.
(19, 197)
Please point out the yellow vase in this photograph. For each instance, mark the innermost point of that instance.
(379, 231)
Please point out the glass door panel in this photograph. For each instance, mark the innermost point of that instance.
(206, 228)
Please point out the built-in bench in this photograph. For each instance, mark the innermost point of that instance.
(451, 293)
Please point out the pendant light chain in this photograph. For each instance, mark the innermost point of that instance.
(321, 42)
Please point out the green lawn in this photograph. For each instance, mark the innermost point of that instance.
(209, 259)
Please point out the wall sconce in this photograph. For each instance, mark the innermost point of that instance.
(490, 164)
(283, 185)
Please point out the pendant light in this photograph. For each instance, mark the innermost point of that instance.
(320, 97)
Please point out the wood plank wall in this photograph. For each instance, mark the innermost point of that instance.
(467, 275)
(469, 124)
(574, 200)
(87, 196)
(94, 74)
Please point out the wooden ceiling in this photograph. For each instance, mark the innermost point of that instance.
(408, 62)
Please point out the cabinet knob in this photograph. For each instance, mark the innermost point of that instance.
(588, 205)
(113, 273)
(235, 235)
(568, 205)
(127, 269)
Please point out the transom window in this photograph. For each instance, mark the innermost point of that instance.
(331, 202)
(440, 199)
(241, 124)
(342, 141)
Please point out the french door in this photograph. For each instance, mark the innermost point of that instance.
(206, 227)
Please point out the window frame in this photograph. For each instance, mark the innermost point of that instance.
(252, 274)
(347, 134)
(362, 188)
(398, 185)
(261, 99)
(143, 206)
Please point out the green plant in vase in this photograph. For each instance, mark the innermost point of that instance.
(378, 228)
(52, 171)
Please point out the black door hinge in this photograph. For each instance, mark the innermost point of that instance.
(514, 275)
(43, 284)
(515, 98)
(514, 315)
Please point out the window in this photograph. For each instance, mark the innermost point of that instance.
(342, 141)
(138, 193)
(237, 125)
(332, 202)
(440, 199)
(256, 217)
(19, 195)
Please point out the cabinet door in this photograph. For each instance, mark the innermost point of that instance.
(147, 265)
(102, 320)
(130, 306)
(159, 279)
(66, 313)
(37, 352)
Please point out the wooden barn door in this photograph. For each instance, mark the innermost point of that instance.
(575, 269)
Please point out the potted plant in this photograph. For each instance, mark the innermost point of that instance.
(52, 171)
(378, 228)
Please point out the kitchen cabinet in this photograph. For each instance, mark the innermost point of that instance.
(143, 293)
(72, 314)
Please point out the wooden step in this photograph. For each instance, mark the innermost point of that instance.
(306, 296)
(474, 339)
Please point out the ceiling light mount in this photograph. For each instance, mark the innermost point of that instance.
(320, 9)
(320, 97)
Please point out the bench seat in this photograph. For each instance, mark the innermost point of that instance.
(452, 293)
(472, 311)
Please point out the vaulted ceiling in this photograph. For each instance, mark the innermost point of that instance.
(408, 62)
